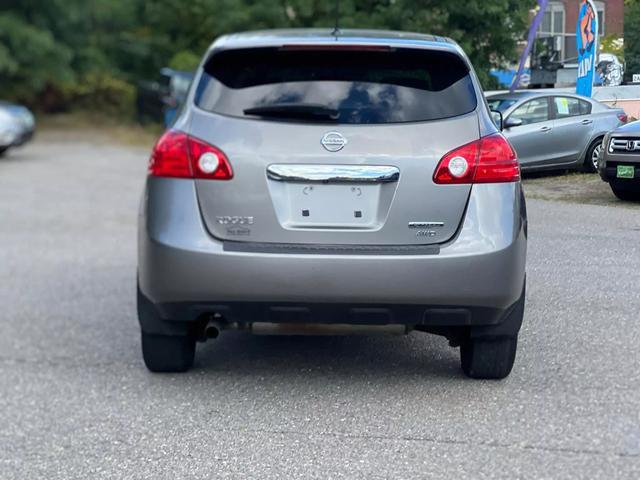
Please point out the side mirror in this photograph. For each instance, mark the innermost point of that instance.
(512, 122)
(497, 119)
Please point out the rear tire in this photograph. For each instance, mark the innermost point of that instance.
(488, 358)
(626, 193)
(590, 164)
(168, 354)
(3, 150)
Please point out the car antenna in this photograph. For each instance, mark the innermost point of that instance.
(336, 29)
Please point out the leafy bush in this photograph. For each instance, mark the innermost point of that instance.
(100, 93)
(185, 60)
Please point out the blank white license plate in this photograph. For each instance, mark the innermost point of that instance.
(338, 206)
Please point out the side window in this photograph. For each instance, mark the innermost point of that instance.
(533, 111)
(570, 107)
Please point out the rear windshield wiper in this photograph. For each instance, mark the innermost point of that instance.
(295, 110)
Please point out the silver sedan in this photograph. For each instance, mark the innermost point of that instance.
(555, 130)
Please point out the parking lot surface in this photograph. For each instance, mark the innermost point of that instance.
(77, 402)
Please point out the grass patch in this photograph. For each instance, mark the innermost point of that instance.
(583, 188)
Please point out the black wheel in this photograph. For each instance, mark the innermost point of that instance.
(626, 192)
(163, 353)
(590, 164)
(488, 358)
(3, 150)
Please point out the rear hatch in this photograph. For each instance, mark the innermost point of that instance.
(334, 145)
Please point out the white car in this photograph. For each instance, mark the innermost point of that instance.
(17, 126)
(9, 130)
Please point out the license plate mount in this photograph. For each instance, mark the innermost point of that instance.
(333, 205)
(625, 171)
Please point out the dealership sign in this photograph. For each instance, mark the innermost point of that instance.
(587, 43)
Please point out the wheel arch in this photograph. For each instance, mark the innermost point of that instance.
(597, 137)
(584, 160)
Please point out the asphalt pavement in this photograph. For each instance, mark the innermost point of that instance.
(76, 401)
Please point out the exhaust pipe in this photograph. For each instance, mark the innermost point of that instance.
(212, 330)
(265, 328)
(214, 326)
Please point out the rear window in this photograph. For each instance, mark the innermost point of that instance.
(362, 86)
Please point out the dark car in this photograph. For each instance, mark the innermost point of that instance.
(159, 100)
(619, 161)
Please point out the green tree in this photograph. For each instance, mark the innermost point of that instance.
(632, 37)
(30, 58)
(486, 29)
(49, 46)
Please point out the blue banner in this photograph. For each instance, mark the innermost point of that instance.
(587, 43)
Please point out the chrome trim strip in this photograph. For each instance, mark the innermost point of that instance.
(624, 145)
(426, 224)
(333, 173)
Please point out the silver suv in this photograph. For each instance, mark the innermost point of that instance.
(334, 184)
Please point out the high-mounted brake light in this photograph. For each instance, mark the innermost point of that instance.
(181, 156)
(487, 160)
(339, 46)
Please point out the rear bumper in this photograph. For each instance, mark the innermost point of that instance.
(474, 279)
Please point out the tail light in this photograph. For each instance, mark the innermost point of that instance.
(179, 155)
(623, 117)
(487, 160)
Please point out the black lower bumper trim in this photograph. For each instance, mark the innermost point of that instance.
(179, 318)
(309, 249)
